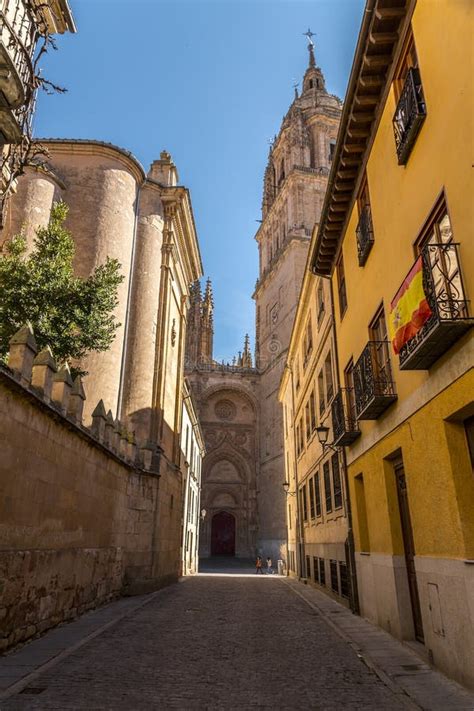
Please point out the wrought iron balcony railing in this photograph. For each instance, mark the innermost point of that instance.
(365, 235)
(449, 320)
(374, 388)
(344, 421)
(409, 115)
(17, 43)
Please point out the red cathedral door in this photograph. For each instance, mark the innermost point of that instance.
(223, 534)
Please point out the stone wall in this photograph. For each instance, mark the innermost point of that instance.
(78, 506)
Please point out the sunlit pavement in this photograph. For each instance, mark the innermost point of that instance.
(223, 640)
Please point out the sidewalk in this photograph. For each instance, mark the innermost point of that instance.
(398, 666)
(21, 667)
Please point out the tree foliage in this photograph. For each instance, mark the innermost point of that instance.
(72, 315)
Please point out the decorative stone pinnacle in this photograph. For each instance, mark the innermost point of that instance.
(45, 357)
(78, 389)
(24, 337)
(99, 410)
(63, 375)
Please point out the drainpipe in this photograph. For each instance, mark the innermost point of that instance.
(354, 597)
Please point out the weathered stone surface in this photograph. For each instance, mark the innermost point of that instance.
(72, 526)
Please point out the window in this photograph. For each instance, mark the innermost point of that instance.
(349, 383)
(408, 60)
(301, 435)
(304, 507)
(317, 494)
(341, 285)
(344, 578)
(332, 149)
(322, 572)
(308, 566)
(312, 411)
(307, 343)
(381, 352)
(444, 264)
(334, 577)
(336, 481)
(315, 569)
(308, 422)
(411, 108)
(364, 229)
(282, 171)
(311, 498)
(327, 486)
(298, 440)
(320, 301)
(328, 378)
(322, 402)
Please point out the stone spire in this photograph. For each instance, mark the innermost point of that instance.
(193, 331)
(246, 359)
(207, 323)
(208, 302)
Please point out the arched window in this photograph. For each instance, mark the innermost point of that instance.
(310, 83)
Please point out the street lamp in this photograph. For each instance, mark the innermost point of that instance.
(323, 433)
(286, 489)
(203, 514)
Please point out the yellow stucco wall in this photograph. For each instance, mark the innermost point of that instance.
(439, 481)
(438, 470)
(402, 197)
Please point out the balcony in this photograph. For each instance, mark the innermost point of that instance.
(364, 234)
(344, 421)
(17, 41)
(449, 320)
(374, 388)
(409, 115)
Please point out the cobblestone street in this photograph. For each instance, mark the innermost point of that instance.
(210, 642)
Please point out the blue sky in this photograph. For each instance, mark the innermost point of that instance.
(210, 81)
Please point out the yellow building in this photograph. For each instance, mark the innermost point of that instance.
(319, 537)
(396, 238)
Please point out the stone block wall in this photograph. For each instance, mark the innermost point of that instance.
(78, 506)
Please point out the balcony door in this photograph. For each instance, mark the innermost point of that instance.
(380, 353)
(409, 547)
(441, 260)
(350, 398)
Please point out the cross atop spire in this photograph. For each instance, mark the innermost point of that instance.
(310, 35)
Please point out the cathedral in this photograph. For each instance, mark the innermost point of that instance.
(242, 420)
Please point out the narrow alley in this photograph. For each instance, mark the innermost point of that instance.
(222, 641)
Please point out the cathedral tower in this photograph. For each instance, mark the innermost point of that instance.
(295, 182)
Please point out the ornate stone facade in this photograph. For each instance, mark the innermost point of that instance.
(244, 470)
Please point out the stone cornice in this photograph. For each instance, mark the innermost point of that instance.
(82, 146)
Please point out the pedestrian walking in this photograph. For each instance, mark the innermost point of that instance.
(269, 566)
(258, 565)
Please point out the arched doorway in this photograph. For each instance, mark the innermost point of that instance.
(223, 534)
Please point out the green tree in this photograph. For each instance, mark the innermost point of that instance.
(72, 315)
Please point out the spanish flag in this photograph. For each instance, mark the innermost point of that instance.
(409, 308)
